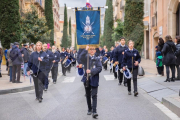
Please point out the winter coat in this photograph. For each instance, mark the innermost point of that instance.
(95, 67)
(168, 52)
(177, 53)
(127, 59)
(118, 56)
(50, 56)
(16, 56)
(56, 58)
(8, 57)
(35, 65)
(26, 54)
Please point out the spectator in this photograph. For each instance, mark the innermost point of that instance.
(16, 58)
(169, 60)
(5, 54)
(1, 56)
(159, 64)
(10, 61)
(177, 53)
(25, 55)
(160, 44)
(31, 48)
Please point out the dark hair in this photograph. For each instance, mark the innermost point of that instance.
(161, 41)
(168, 37)
(122, 38)
(178, 39)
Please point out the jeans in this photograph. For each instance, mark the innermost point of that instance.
(10, 72)
(172, 70)
(91, 92)
(25, 67)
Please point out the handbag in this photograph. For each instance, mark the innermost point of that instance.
(141, 71)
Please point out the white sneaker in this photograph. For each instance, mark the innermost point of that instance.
(159, 75)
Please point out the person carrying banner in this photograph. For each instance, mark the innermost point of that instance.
(63, 58)
(118, 56)
(37, 63)
(54, 69)
(48, 65)
(131, 61)
(92, 67)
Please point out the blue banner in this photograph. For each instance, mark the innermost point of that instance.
(88, 27)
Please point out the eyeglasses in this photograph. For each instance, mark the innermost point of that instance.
(92, 49)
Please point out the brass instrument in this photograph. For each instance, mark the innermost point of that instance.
(64, 61)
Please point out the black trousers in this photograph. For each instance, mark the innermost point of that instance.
(135, 72)
(172, 67)
(177, 70)
(121, 75)
(105, 66)
(54, 72)
(63, 69)
(91, 92)
(69, 68)
(39, 84)
(115, 73)
(160, 70)
(16, 69)
(74, 63)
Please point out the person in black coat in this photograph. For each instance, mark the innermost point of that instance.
(177, 53)
(95, 67)
(107, 55)
(63, 56)
(25, 55)
(118, 56)
(54, 69)
(37, 63)
(131, 60)
(169, 59)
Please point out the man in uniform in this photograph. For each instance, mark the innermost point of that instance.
(118, 57)
(48, 66)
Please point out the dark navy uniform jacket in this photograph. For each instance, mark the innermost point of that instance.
(108, 54)
(95, 69)
(127, 60)
(63, 56)
(34, 63)
(56, 58)
(118, 56)
(51, 58)
(78, 54)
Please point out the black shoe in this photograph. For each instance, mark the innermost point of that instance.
(45, 89)
(172, 79)
(13, 81)
(135, 94)
(94, 115)
(89, 112)
(18, 82)
(129, 93)
(167, 80)
(40, 100)
(0, 75)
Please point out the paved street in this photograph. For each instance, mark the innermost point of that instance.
(65, 101)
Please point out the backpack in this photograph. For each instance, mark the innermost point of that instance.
(13, 54)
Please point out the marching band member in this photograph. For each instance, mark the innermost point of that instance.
(114, 65)
(48, 65)
(118, 56)
(63, 57)
(111, 57)
(70, 57)
(56, 60)
(106, 54)
(131, 60)
(93, 83)
(37, 63)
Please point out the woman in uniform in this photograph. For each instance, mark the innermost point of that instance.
(131, 61)
(37, 63)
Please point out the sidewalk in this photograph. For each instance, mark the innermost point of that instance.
(9, 87)
(165, 92)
